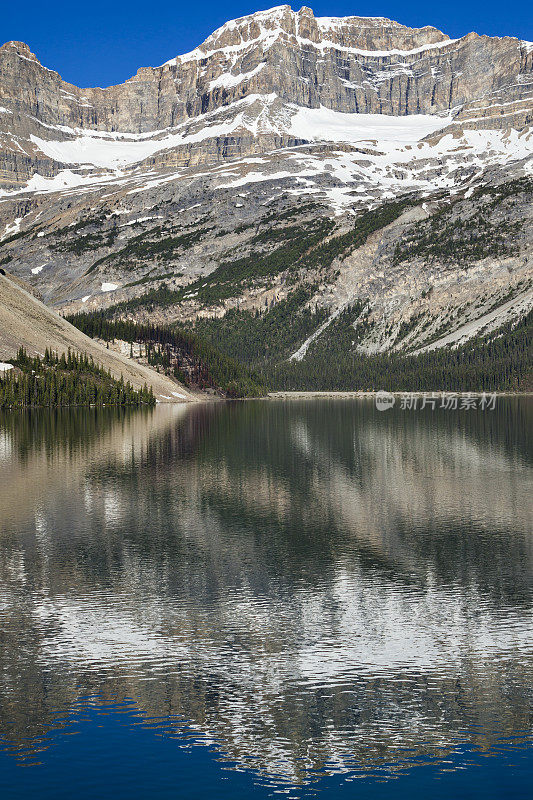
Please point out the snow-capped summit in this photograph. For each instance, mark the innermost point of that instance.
(265, 27)
(273, 79)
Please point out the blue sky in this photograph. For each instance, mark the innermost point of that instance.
(104, 41)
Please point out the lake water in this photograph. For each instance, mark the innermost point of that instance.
(235, 600)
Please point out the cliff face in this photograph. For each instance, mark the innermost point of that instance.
(350, 65)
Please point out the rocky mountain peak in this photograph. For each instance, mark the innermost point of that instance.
(21, 49)
(273, 79)
(265, 27)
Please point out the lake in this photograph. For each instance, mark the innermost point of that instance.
(310, 598)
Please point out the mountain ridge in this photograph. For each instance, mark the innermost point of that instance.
(348, 65)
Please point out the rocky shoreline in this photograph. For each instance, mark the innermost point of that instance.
(371, 395)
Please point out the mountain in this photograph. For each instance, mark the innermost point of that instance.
(244, 90)
(289, 170)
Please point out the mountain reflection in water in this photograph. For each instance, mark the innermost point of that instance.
(312, 588)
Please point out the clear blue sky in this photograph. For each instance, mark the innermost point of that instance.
(102, 42)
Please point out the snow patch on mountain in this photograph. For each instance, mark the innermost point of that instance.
(311, 124)
(100, 149)
(227, 80)
(323, 124)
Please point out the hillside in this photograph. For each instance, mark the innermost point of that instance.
(26, 322)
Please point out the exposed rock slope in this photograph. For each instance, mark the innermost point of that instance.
(240, 92)
(26, 322)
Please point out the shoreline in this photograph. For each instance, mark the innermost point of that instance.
(341, 395)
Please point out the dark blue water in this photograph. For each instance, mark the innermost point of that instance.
(113, 754)
(314, 599)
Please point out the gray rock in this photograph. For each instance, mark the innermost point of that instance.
(352, 65)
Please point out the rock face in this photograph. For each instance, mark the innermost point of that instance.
(272, 63)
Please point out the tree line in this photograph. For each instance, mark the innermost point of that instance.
(67, 380)
(500, 361)
(178, 351)
(246, 355)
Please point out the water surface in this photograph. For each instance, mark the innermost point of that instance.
(241, 599)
